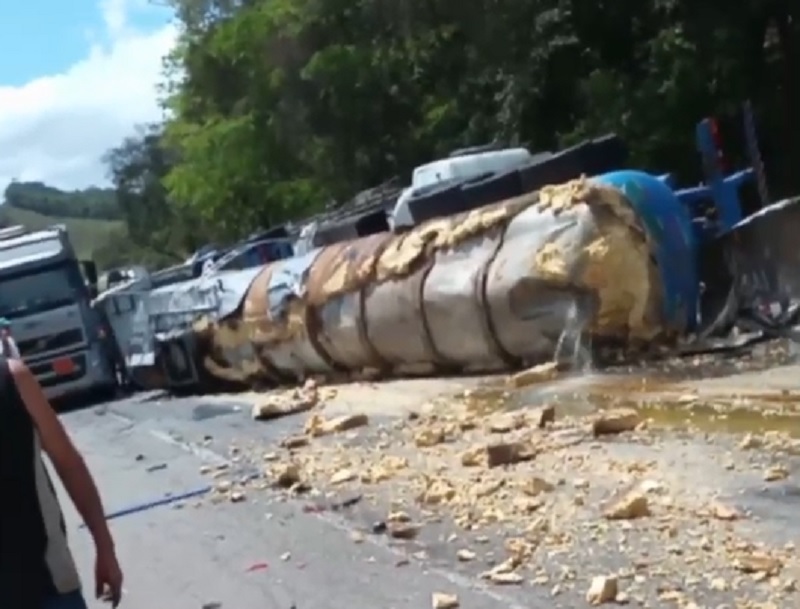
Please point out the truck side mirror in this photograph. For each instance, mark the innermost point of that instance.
(89, 271)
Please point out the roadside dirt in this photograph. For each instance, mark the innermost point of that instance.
(616, 488)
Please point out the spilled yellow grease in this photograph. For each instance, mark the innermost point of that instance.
(345, 267)
(622, 276)
(227, 338)
(346, 278)
(550, 262)
(616, 264)
(407, 251)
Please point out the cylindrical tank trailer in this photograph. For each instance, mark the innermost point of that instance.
(485, 290)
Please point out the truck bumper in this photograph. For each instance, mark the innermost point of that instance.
(98, 375)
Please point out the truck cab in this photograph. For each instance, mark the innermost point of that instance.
(474, 177)
(45, 296)
(460, 166)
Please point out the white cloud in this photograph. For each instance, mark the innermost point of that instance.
(57, 128)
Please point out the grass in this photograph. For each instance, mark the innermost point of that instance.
(85, 234)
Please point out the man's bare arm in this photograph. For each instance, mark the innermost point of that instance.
(68, 462)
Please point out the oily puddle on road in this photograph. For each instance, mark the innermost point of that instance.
(662, 401)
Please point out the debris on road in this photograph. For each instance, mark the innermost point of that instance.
(317, 425)
(616, 421)
(776, 473)
(440, 600)
(295, 442)
(602, 590)
(537, 374)
(724, 512)
(633, 505)
(287, 403)
(403, 530)
(611, 487)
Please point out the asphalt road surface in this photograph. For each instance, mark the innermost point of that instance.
(272, 551)
(264, 553)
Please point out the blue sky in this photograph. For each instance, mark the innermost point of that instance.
(41, 37)
(76, 77)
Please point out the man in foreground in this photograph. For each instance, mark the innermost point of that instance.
(37, 570)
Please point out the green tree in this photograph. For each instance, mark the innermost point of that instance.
(278, 107)
(157, 228)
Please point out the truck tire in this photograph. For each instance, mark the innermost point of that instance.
(177, 360)
(556, 169)
(436, 203)
(491, 190)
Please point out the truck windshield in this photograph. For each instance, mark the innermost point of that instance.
(40, 290)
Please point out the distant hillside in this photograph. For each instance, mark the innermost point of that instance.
(86, 234)
(95, 203)
(91, 216)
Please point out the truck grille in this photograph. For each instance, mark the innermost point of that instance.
(45, 373)
(54, 342)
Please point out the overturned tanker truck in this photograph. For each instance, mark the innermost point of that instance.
(637, 262)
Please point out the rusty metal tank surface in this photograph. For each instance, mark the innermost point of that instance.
(475, 291)
(256, 322)
(527, 312)
(395, 317)
(289, 343)
(455, 307)
(335, 300)
(577, 256)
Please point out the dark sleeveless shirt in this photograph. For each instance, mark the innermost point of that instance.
(35, 561)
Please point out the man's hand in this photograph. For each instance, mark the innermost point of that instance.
(107, 577)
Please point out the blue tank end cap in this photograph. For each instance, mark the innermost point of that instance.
(669, 226)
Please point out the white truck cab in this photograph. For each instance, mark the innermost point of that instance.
(45, 296)
(461, 165)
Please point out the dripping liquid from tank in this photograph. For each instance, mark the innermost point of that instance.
(573, 348)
